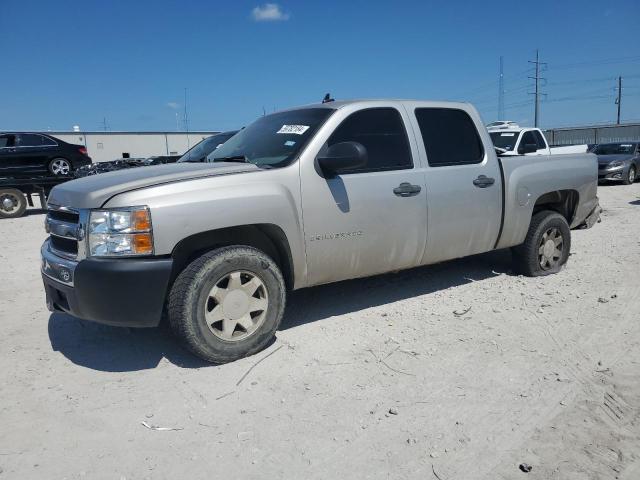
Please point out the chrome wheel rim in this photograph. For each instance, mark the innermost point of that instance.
(236, 306)
(60, 167)
(550, 249)
(9, 203)
(632, 175)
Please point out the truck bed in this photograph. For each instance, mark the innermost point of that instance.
(526, 178)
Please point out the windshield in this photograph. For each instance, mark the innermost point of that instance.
(274, 140)
(614, 149)
(199, 152)
(506, 140)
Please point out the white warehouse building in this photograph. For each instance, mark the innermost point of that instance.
(105, 146)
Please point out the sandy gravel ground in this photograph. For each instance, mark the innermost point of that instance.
(375, 378)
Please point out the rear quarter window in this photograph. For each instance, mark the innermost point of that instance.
(450, 137)
(540, 140)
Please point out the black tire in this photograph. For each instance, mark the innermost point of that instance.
(190, 296)
(529, 260)
(12, 203)
(54, 164)
(630, 177)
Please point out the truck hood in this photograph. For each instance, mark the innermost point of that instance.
(95, 190)
(606, 159)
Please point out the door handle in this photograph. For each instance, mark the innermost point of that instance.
(405, 189)
(483, 181)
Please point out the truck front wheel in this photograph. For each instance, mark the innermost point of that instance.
(546, 247)
(228, 303)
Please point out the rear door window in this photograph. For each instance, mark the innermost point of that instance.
(382, 132)
(29, 140)
(450, 137)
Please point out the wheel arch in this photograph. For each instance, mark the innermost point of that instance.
(564, 202)
(266, 237)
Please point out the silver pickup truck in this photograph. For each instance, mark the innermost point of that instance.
(306, 196)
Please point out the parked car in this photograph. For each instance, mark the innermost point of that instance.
(306, 196)
(618, 161)
(198, 153)
(195, 154)
(37, 153)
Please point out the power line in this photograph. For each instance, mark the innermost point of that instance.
(605, 61)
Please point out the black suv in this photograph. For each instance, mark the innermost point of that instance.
(37, 153)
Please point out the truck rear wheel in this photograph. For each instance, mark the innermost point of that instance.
(12, 203)
(546, 247)
(228, 303)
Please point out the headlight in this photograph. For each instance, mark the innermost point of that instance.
(120, 232)
(615, 163)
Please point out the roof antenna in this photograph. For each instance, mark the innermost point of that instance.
(327, 98)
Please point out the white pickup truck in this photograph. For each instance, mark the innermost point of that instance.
(510, 139)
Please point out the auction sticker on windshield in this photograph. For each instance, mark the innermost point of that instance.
(293, 129)
(507, 134)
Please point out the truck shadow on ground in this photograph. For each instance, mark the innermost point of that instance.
(114, 349)
(317, 303)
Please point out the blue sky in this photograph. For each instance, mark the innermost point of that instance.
(74, 62)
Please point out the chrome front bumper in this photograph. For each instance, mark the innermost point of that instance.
(55, 267)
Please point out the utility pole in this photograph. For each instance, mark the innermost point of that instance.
(104, 123)
(501, 91)
(537, 93)
(619, 99)
(186, 119)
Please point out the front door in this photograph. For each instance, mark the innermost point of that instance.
(8, 159)
(362, 222)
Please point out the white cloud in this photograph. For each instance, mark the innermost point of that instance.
(173, 105)
(269, 12)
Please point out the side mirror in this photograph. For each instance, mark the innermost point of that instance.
(342, 156)
(527, 148)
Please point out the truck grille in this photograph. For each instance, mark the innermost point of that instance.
(65, 229)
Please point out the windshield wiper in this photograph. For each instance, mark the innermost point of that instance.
(232, 158)
(500, 151)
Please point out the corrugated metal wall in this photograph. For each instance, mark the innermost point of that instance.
(604, 134)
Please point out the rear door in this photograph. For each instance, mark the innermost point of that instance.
(32, 152)
(463, 180)
(355, 224)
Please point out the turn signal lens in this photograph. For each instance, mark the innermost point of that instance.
(140, 220)
(142, 244)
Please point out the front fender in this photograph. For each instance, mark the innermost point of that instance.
(182, 209)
